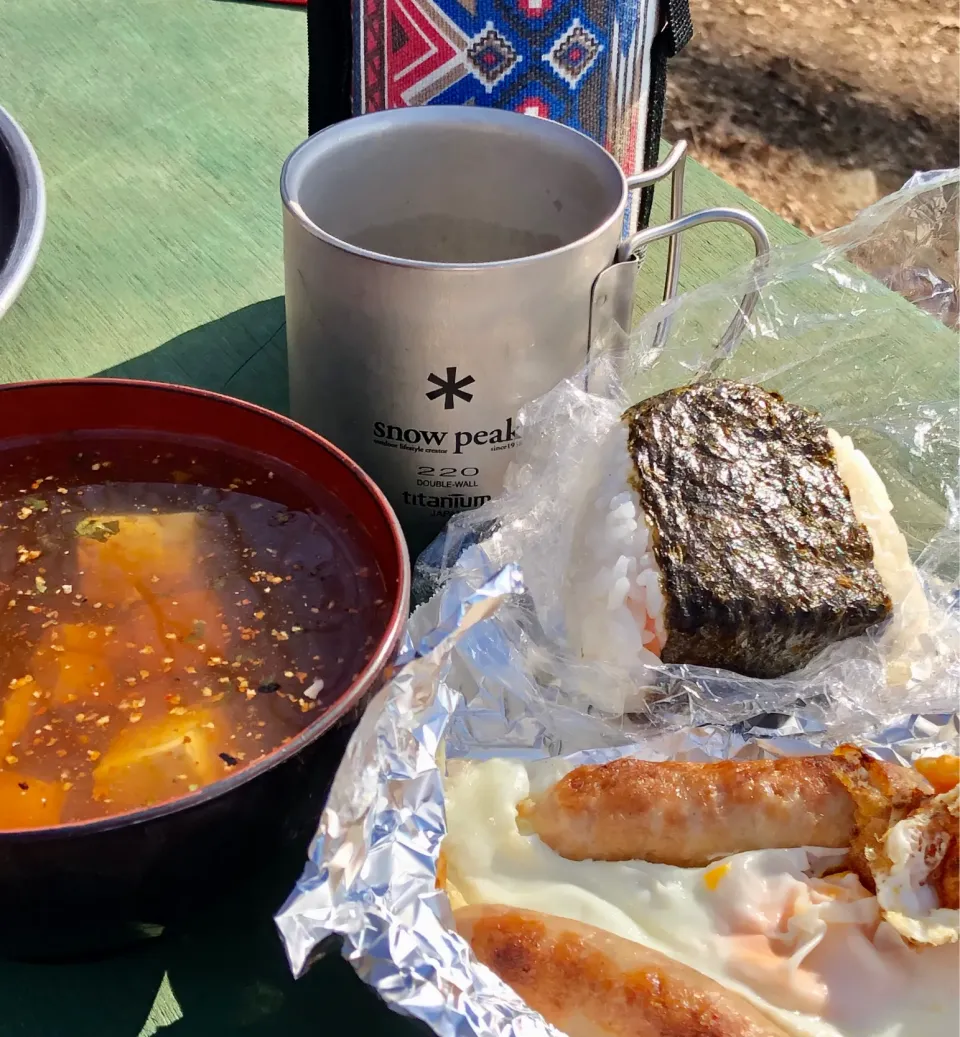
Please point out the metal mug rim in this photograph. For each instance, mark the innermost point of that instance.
(32, 212)
(429, 113)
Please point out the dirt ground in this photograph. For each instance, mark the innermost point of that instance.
(817, 108)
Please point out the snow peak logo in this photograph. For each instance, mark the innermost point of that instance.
(451, 389)
(432, 441)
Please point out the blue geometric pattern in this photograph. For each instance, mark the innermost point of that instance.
(579, 62)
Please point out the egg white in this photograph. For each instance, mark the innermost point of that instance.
(841, 972)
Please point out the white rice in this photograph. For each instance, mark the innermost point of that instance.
(873, 507)
(614, 600)
(613, 595)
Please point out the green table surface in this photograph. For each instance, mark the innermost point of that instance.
(161, 126)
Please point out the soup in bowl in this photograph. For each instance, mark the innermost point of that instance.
(193, 591)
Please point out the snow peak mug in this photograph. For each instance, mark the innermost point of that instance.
(444, 266)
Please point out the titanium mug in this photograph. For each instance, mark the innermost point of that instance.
(443, 267)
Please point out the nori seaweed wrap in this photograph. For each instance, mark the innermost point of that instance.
(721, 532)
(763, 562)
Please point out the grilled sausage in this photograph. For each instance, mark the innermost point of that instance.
(689, 814)
(590, 983)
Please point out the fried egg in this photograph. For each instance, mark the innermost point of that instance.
(913, 853)
(808, 947)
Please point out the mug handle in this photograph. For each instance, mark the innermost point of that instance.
(673, 230)
(674, 166)
(612, 296)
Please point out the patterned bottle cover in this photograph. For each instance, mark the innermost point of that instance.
(596, 65)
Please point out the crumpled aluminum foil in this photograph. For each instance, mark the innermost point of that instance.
(371, 873)
(464, 692)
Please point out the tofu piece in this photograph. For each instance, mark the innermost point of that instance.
(196, 621)
(29, 803)
(159, 761)
(80, 677)
(187, 628)
(18, 706)
(127, 558)
(74, 663)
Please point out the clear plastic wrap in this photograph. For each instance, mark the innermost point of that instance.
(916, 255)
(487, 669)
(825, 335)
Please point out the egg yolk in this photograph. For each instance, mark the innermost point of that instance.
(712, 877)
(943, 772)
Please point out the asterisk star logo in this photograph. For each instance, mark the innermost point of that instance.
(451, 388)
